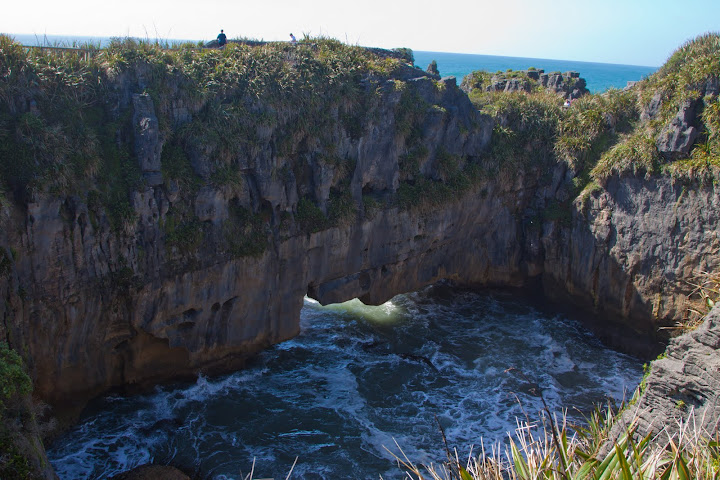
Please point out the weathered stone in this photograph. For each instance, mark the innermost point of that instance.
(679, 135)
(651, 110)
(681, 388)
(633, 248)
(148, 144)
(569, 84)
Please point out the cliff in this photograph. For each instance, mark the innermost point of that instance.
(164, 213)
(680, 391)
(181, 231)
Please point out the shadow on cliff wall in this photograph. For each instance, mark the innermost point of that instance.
(628, 258)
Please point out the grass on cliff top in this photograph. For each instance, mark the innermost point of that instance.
(603, 135)
(55, 127)
(689, 77)
(532, 128)
(552, 449)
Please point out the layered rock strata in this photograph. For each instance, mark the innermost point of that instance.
(679, 398)
(174, 290)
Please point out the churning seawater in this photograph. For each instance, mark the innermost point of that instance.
(355, 381)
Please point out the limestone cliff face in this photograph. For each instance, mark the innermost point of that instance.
(96, 305)
(635, 250)
(202, 275)
(681, 388)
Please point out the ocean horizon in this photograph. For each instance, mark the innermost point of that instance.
(599, 76)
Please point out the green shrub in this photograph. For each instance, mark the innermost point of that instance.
(14, 465)
(341, 209)
(185, 234)
(525, 130)
(14, 381)
(409, 163)
(5, 262)
(176, 165)
(371, 205)
(410, 112)
(14, 385)
(245, 233)
(309, 216)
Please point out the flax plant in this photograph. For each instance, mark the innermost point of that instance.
(552, 450)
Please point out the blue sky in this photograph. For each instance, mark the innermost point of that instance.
(636, 32)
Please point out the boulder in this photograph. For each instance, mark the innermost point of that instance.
(678, 137)
(152, 472)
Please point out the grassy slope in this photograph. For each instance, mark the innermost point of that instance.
(604, 134)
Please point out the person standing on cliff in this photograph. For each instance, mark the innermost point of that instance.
(222, 39)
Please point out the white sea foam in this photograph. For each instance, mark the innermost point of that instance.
(354, 381)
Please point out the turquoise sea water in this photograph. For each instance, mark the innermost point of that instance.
(599, 76)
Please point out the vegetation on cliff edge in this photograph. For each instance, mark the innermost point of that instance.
(66, 119)
(635, 131)
(553, 449)
(15, 386)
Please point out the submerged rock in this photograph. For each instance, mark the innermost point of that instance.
(152, 472)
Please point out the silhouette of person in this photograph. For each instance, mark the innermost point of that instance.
(222, 39)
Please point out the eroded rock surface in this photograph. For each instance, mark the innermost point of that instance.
(681, 388)
(198, 278)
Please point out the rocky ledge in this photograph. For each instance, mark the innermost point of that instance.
(681, 388)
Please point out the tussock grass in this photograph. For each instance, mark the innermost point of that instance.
(635, 153)
(592, 124)
(552, 449)
(526, 127)
(685, 79)
(615, 133)
(705, 294)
